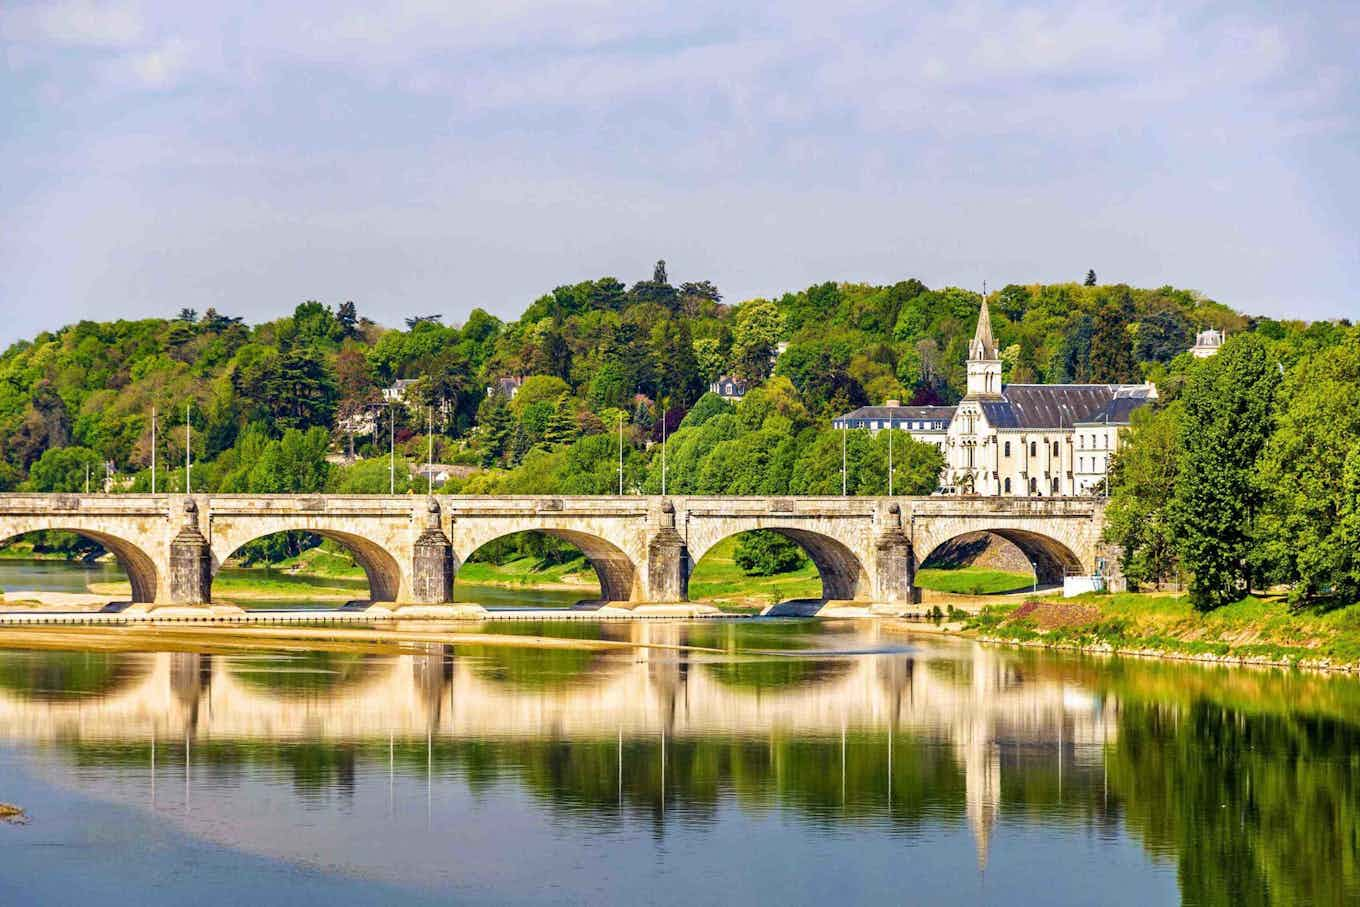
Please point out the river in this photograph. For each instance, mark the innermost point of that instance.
(751, 761)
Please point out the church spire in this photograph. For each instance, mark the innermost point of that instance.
(983, 347)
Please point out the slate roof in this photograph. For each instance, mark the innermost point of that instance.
(1038, 406)
(901, 412)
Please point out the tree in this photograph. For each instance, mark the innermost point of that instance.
(1305, 538)
(677, 368)
(758, 329)
(188, 316)
(298, 390)
(414, 320)
(66, 469)
(765, 553)
(1112, 359)
(1142, 482)
(710, 358)
(1228, 417)
(1090, 278)
(657, 290)
(561, 427)
(348, 317)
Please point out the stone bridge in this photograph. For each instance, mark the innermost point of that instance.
(866, 549)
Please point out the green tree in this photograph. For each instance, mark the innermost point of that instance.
(754, 338)
(67, 469)
(1228, 417)
(765, 553)
(1090, 278)
(1142, 481)
(1305, 540)
(1112, 359)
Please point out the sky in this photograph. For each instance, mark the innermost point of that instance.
(422, 157)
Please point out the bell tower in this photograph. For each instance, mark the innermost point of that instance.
(984, 366)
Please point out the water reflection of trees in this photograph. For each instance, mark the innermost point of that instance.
(64, 676)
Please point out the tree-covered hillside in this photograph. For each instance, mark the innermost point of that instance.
(591, 355)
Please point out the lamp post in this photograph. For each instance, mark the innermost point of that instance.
(153, 450)
(391, 449)
(1034, 567)
(663, 446)
(844, 429)
(188, 484)
(892, 429)
(429, 456)
(620, 454)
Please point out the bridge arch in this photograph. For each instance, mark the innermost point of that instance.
(379, 565)
(615, 570)
(139, 566)
(1051, 558)
(843, 573)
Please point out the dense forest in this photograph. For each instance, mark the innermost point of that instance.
(296, 404)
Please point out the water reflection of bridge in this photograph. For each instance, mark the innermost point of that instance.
(971, 700)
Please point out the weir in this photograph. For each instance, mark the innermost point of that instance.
(866, 549)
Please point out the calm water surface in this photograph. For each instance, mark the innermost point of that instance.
(766, 761)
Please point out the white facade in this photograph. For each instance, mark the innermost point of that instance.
(1018, 440)
(1207, 343)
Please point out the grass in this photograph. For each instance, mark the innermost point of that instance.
(719, 581)
(1262, 628)
(530, 571)
(972, 580)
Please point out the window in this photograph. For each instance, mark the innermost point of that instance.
(1055, 449)
(1007, 486)
(1033, 451)
(1033, 485)
(1055, 484)
(1081, 441)
(1008, 453)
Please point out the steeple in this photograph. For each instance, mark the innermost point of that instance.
(983, 347)
(984, 365)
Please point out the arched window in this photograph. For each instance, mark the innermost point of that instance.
(1033, 485)
(1007, 486)
(1055, 484)
(1008, 453)
(1055, 448)
(1033, 450)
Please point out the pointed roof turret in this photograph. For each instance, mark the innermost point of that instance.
(983, 347)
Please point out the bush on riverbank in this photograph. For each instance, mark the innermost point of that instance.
(1262, 628)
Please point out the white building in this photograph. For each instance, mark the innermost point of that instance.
(1017, 439)
(1207, 343)
(397, 392)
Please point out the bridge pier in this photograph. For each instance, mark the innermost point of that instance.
(432, 562)
(896, 580)
(667, 561)
(190, 573)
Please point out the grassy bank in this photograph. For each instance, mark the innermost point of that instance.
(1262, 629)
(718, 580)
(972, 580)
(525, 572)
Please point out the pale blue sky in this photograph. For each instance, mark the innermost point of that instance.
(432, 157)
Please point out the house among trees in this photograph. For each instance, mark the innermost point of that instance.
(1017, 439)
(1207, 343)
(730, 388)
(397, 392)
(506, 387)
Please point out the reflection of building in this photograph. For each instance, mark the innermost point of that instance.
(1039, 440)
(1207, 343)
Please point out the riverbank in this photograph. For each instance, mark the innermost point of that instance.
(1261, 630)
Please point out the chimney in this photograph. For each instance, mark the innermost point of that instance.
(893, 403)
